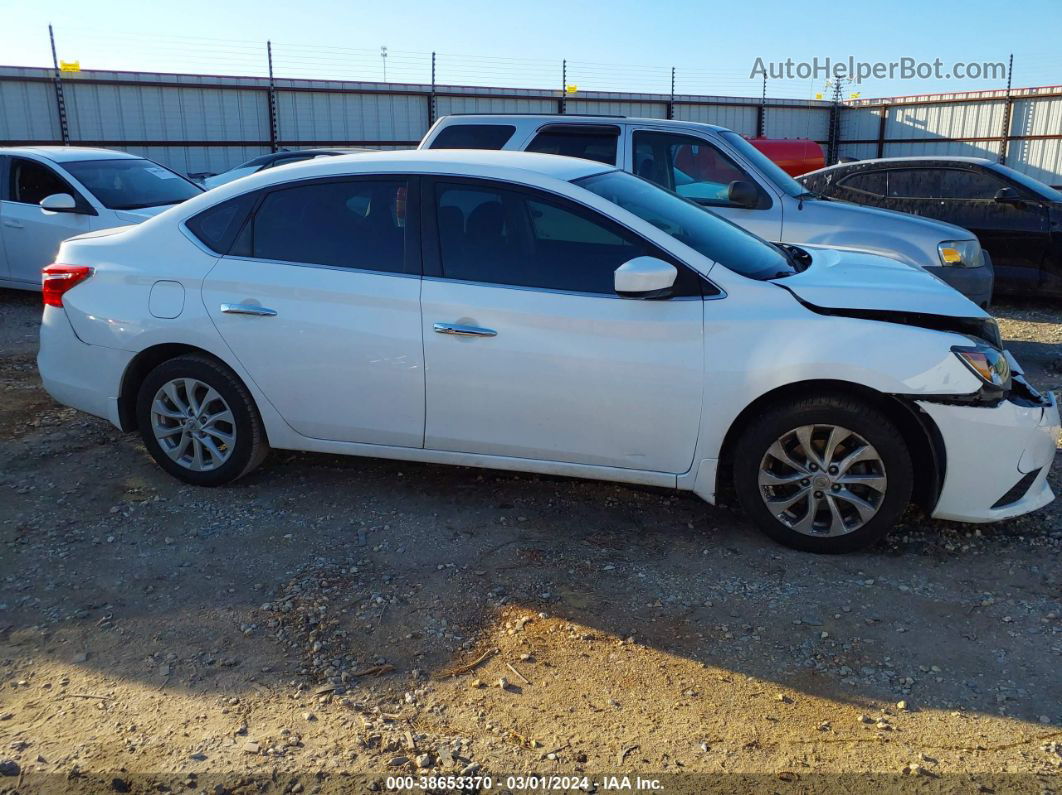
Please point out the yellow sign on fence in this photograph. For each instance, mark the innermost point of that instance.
(571, 88)
(70, 66)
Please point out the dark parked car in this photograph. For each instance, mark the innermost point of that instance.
(272, 160)
(1017, 219)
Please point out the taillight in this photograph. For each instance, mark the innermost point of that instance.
(57, 279)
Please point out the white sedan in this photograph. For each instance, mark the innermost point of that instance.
(544, 314)
(50, 193)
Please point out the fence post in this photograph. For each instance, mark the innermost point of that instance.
(671, 102)
(60, 100)
(882, 122)
(1004, 143)
(761, 111)
(273, 131)
(432, 106)
(562, 103)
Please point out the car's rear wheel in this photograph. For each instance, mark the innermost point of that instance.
(199, 422)
(827, 474)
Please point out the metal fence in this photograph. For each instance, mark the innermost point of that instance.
(208, 123)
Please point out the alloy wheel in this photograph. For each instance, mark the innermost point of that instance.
(193, 424)
(822, 480)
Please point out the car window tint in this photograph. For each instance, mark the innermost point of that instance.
(218, 226)
(349, 224)
(872, 182)
(956, 184)
(509, 237)
(942, 183)
(600, 147)
(473, 136)
(689, 166)
(32, 181)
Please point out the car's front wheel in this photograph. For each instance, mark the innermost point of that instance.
(823, 474)
(199, 422)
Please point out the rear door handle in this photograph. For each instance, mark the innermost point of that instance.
(248, 309)
(464, 331)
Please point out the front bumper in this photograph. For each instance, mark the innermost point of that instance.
(975, 283)
(85, 377)
(989, 451)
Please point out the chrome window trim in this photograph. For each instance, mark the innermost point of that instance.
(319, 266)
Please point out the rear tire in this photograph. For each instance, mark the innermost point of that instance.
(843, 495)
(199, 422)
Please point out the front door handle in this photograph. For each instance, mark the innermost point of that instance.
(464, 331)
(248, 309)
(13, 224)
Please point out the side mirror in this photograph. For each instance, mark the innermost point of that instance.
(1007, 195)
(645, 277)
(743, 194)
(59, 203)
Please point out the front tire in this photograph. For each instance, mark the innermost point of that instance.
(199, 422)
(825, 474)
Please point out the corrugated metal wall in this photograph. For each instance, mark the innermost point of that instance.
(201, 123)
(962, 124)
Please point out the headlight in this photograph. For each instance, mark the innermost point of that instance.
(960, 253)
(989, 364)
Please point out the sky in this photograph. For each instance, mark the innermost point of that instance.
(616, 45)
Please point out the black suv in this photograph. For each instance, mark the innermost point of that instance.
(1017, 219)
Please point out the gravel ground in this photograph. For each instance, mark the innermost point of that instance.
(328, 622)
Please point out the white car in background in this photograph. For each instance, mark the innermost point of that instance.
(50, 193)
(544, 314)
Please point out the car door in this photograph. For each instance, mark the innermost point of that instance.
(696, 169)
(1015, 234)
(319, 299)
(4, 272)
(31, 234)
(529, 352)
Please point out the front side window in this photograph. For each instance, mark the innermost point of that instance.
(942, 183)
(589, 143)
(501, 236)
(132, 183)
(32, 181)
(473, 136)
(703, 231)
(346, 224)
(689, 166)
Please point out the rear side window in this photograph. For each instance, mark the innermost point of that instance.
(571, 141)
(217, 227)
(348, 224)
(473, 136)
(872, 182)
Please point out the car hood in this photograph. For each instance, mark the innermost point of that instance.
(840, 279)
(142, 213)
(863, 214)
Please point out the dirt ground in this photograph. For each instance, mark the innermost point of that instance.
(316, 627)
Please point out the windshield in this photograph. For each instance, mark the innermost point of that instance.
(1039, 188)
(689, 223)
(767, 167)
(132, 183)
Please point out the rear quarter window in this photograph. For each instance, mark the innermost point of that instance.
(217, 227)
(473, 136)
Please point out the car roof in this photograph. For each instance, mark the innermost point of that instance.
(68, 154)
(443, 161)
(910, 160)
(560, 118)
